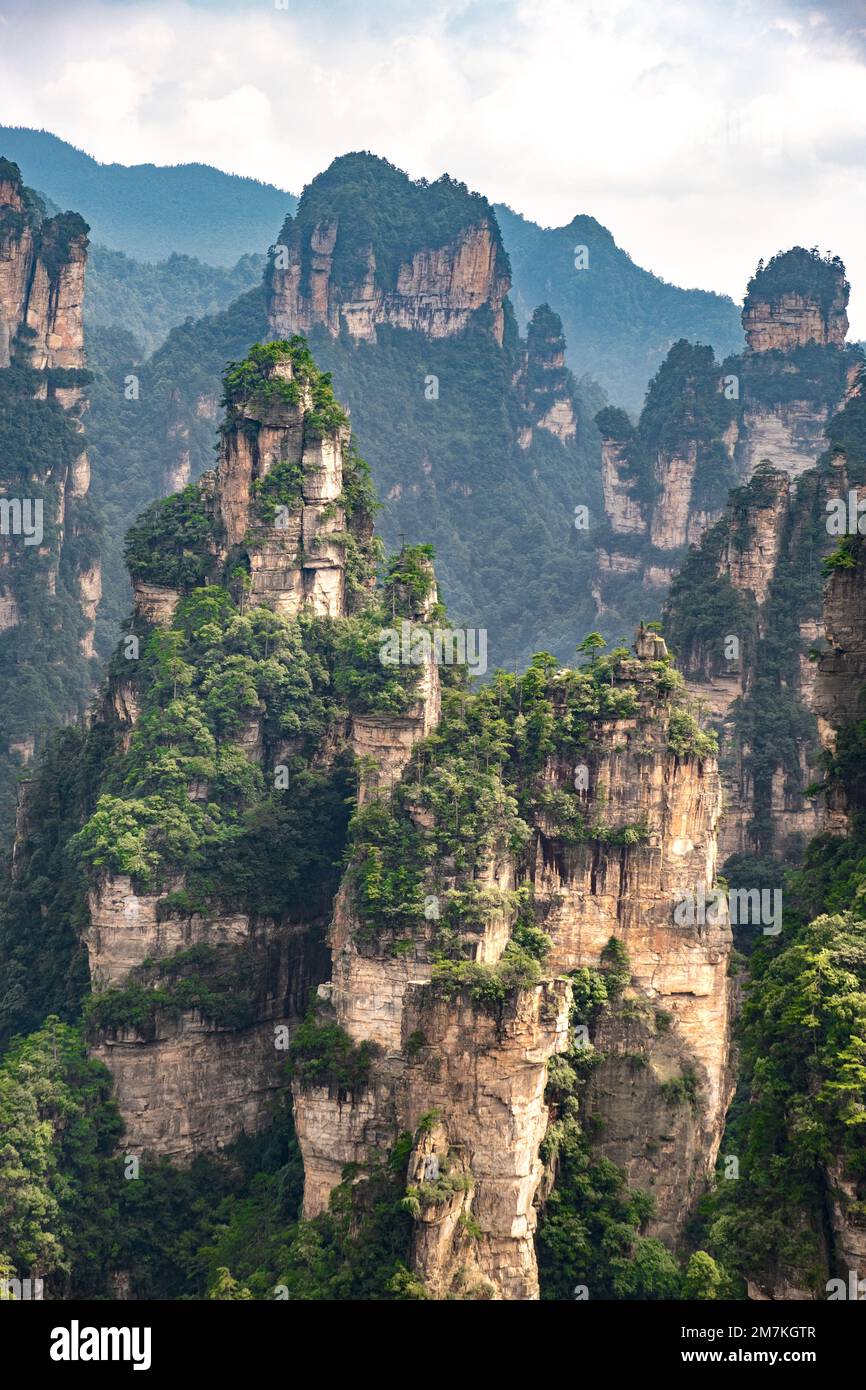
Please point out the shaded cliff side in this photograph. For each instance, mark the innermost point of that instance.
(794, 1226)
(50, 572)
(745, 617)
(706, 426)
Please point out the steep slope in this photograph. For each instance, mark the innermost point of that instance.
(149, 300)
(150, 211)
(453, 973)
(707, 426)
(402, 286)
(619, 320)
(795, 1227)
(513, 862)
(444, 403)
(49, 537)
(745, 618)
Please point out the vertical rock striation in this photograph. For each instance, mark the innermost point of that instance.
(468, 1079)
(55, 571)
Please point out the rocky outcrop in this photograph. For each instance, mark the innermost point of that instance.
(42, 263)
(546, 388)
(42, 268)
(436, 291)
(187, 1080)
(769, 406)
(676, 1014)
(184, 1084)
(484, 1075)
(796, 299)
(625, 511)
(292, 527)
(349, 271)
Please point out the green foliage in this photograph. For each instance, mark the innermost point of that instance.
(801, 1105)
(589, 1230)
(375, 205)
(201, 682)
(45, 971)
(216, 982)
(59, 1129)
(409, 579)
(134, 443)
(687, 739)
(704, 1278)
(169, 544)
(482, 984)
(682, 1090)
(798, 271)
(616, 967)
(618, 318)
(323, 1054)
(435, 1192)
(149, 300)
(45, 678)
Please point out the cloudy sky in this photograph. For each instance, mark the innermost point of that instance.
(704, 134)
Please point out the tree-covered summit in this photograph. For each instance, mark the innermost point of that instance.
(799, 271)
(377, 206)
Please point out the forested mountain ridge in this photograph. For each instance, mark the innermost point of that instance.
(745, 611)
(793, 1226)
(150, 211)
(148, 300)
(619, 320)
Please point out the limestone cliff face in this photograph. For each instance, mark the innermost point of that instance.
(484, 1075)
(796, 299)
(185, 1083)
(276, 498)
(545, 387)
(838, 690)
(676, 1015)
(787, 434)
(297, 560)
(742, 568)
(42, 264)
(435, 291)
(770, 405)
(42, 268)
(626, 513)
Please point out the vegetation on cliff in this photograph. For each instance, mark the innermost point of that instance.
(45, 675)
(798, 271)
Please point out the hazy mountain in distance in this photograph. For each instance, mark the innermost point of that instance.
(619, 320)
(151, 211)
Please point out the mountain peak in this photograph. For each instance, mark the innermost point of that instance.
(370, 246)
(798, 297)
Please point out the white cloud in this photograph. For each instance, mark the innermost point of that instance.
(704, 134)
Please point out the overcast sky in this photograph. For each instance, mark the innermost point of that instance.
(704, 134)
